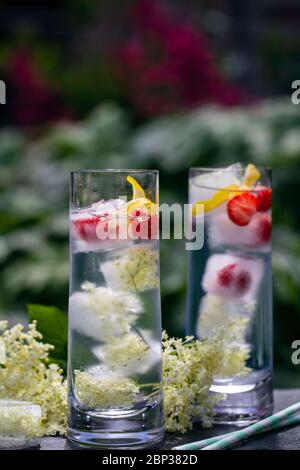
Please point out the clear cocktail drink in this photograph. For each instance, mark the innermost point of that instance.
(115, 393)
(230, 281)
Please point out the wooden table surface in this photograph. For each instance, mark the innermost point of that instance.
(286, 439)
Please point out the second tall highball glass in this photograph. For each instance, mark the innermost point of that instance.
(230, 282)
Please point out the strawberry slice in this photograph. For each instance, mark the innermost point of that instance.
(264, 199)
(243, 282)
(264, 228)
(241, 208)
(226, 275)
(234, 280)
(86, 227)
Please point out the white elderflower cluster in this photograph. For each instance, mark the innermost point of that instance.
(105, 391)
(216, 311)
(101, 312)
(19, 419)
(189, 368)
(124, 350)
(2, 352)
(135, 270)
(25, 375)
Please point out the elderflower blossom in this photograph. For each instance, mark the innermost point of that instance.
(216, 311)
(19, 418)
(104, 392)
(135, 270)
(2, 352)
(102, 313)
(26, 376)
(122, 351)
(189, 368)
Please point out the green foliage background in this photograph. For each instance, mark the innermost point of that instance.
(34, 202)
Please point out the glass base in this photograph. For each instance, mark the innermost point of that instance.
(116, 429)
(248, 399)
(113, 440)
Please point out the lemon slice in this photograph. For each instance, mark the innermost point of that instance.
(252, 175)
(216, 200)
(137, 189)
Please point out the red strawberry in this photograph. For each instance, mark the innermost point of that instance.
(86, 227)
(264, 228)
(241, 208)
(264, 199)
(226, 275)
(243, 281)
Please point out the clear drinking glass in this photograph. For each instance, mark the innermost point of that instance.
(115, 373)
(230, 281)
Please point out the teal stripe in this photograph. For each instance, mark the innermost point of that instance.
(288, 421)
(254, 429)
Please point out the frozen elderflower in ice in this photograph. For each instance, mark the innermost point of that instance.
(135, 270)
(133, 353)
(101, 312)
(26, 376)
(19, 419)
(105, 390)
(235, 355)
(189, 368)
(215, 311)
(121, 352)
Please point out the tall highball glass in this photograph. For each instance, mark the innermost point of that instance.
(230, 282)
(114, 367)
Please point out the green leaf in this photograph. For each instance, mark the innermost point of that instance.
(53, 324)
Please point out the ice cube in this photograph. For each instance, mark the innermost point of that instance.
(204, 186)
(215, 311)
(101, 313)
(98, 227)
(110, 206)
(232, 276)
(134, 269)
(133, 353)
(222, 231)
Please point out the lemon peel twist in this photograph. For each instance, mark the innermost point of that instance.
(137, 189)
(252, 175)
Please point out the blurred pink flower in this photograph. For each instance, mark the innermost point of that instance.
(33, 101)
(169, 66)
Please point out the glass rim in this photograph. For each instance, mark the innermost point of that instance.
(226, 168)
(194, 171)
(114, 170)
